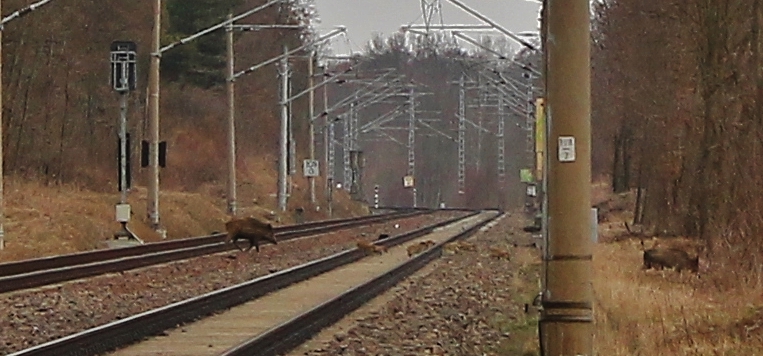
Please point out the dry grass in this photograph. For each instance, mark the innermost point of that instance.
(650, 313)
(666, 313)
(523, 327)
(44, 220)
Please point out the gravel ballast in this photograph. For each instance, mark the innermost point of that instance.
(465, 303)
(32, 317)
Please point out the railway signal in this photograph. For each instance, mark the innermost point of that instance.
(123, 80)
(376, 196)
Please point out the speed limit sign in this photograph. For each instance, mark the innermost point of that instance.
(310, 168)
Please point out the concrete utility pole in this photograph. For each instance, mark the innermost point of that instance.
(153, 117)
(311, 113)
(2, 193)
(283, 164)
(461, 136)
(231, 123)
(567, 318)
(327, 139)
(292, 141)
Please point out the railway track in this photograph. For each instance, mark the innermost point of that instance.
(278, 289)
(33, 273)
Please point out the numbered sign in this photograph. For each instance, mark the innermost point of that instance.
(566, 149)
(310, 168)
(532, 191)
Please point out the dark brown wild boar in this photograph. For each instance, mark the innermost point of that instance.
(253, 229)
(659, 258)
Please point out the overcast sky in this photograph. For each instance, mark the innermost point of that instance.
(365, 17)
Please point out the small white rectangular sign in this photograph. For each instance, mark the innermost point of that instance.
(566, 149)
(123, 212)
(408, 181)
(531, 191)
(310, 168)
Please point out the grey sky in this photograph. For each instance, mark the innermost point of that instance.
(365, 17)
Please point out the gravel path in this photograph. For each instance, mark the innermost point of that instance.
(36, 316)
(466, 303)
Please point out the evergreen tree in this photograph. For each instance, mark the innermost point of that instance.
(201, 61)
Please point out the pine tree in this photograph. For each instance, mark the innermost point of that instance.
(199, 62)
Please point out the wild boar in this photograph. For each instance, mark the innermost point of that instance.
(659, 258)
(370, 249)
(466, 246)
(419, 247)
(456, 246)
(497, 252)
(253, 229)
(450, 248)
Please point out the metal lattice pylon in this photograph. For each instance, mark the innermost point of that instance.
(331, 153)
(501, 145)
(346, 154)
(429, 8)
(461, 136)
(530, 123)
(354, 113)
(480, 119)
(412, 135)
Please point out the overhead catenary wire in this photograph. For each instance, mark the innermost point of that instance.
(218, 26)
(24, 11)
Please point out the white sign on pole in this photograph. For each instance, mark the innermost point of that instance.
(566, 149)
(408, 181)
(531, 191)
(310, 168)
(123, 212)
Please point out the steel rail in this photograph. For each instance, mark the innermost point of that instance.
(126, 331)
(290, 334)
(403, 208)
(31, 265)
(57, 269)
